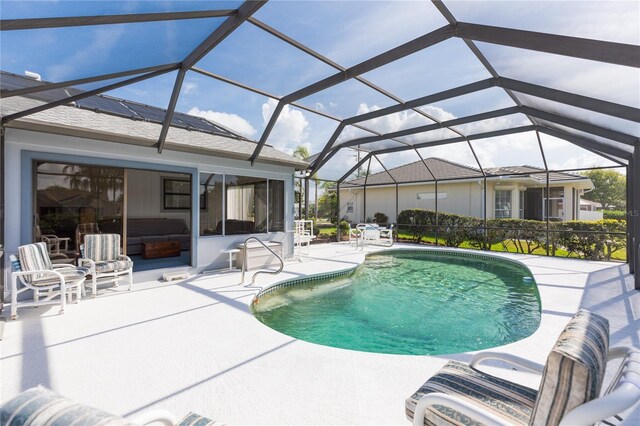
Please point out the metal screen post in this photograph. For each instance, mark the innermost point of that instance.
(635, 214)
(338, 211)
(306, 198)
(629, 218)
(546, 200)
(484, 212)
(436, 205)
(396, 203)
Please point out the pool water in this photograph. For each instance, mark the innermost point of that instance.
(425, 303)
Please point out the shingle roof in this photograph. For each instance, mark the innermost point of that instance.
(449, 170)
(85, 122)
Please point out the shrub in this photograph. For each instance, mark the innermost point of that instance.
(381, 218)
(344, 228)
(418, 220)
(614, 214)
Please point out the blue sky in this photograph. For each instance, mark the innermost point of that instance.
(346, 32)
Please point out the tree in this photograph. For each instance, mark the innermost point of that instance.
(609, 188)
(301, 152)
(327, 203)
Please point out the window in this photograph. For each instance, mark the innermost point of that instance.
(349, 207)
(503, 204)
(211, 204)
(556, 204)
(276, 206)
(176, 194)
(251, 205)
(431, 195)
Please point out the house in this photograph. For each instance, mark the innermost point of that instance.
(94, 164)
(511, 192)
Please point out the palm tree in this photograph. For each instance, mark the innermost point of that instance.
(301, 152)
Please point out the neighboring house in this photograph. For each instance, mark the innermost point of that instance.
(94, 164)
(512, 192)
(590, 210)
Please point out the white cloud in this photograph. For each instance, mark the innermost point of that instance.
(290, 130)
(232, 121)
(189, 87)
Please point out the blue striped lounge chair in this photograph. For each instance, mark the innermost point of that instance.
(569, 392)
(33, 269)
(101, 254)
(39, 406)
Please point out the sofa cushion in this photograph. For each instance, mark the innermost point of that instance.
(113, 266)
(155, 239)
(71, 275)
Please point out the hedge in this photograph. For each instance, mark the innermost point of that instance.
(596, 240)
(614, 214)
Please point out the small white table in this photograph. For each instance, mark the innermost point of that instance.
(230, 252)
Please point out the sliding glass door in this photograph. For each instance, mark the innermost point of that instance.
(74, 200)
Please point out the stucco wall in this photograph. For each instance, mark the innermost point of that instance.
(22, 146)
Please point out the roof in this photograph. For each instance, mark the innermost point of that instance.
(104, 118)
(449, 170)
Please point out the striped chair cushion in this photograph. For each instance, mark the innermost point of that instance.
(39, 406)
(71, 276)
(101, 247)
(113, 266)
(575, 368)
(34, 257)
(193, 419)
(512, 402)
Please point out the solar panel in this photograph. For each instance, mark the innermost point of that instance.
(114, 106)
(105, 105)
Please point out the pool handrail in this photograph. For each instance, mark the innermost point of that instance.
(244, 263)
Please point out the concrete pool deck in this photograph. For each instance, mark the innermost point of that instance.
(193, 345)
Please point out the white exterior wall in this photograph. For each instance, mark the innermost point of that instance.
(206, 250)
(464, 198)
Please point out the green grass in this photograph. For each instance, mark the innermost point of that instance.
(619, 255)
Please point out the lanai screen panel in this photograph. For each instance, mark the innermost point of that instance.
(563, 155)
(439, 67)
(61, 54)
(613, 21)
(348, 32)
(251, 56)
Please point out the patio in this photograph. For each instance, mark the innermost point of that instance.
(194, 346)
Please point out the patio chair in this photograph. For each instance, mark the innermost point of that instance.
(53, 246)
(303, 235)
(40, 406)
(569, 392)
(101, 253)
(33, 268)
(374, 234)
(354, 235)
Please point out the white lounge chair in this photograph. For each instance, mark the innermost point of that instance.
(101, 254)
(33, 268)
(569, 392)
(39, 406)
(303, 234)
(374, 234)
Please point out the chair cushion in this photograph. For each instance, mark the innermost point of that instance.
(512, 402)
(39, 406)
(113, 266)
(71, 275)
(193, 419)
(100, 247)
(575, 368)
(34, 257)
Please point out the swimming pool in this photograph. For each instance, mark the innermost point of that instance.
(417, 302)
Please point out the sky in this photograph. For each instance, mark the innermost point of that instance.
(346, 32)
